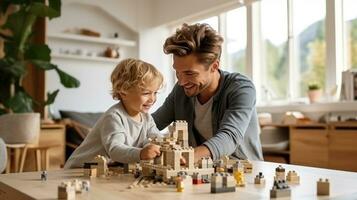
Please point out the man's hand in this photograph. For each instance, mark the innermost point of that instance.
(201, 152)
(150, 152)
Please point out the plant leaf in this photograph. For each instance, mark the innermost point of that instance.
(20, 103)
(44, 65)
(41, 10)
(67, 80)
(15, 23)
(51, 97)
(2, 111)
(38, 52)
(56, 5)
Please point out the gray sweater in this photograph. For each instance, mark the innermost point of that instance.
(115, 136)
(234, 118)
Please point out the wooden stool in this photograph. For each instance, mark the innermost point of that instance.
(19, 152)
(15, 150)
(42, 156)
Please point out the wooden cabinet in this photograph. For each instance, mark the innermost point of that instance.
(343, 146)
(55, 135)
(332, 145)
(309, 145)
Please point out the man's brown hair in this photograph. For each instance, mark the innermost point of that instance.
(199, 39)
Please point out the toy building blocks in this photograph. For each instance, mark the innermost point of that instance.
(292, 177)
(129, 167)
(179, 184)
(196, 178)
(280, 189)
(173, 147)
(182, 180)
(248, 166)
(44, 176)
(259, 179)
(90, 170)
(279, 173)
(180, 132)
(102, 167)
(227, 164)
(222, 182)
(205, 163)
(85, 185)
(66, 191)
(323, 187)
(238, 173)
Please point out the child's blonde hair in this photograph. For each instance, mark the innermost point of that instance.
(131, 73)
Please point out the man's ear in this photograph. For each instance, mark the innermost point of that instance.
(215, 65)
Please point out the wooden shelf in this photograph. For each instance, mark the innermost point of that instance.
(98, 40)
(87, 58)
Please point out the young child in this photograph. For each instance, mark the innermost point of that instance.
(122, 132)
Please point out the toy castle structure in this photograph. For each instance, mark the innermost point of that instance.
(173, 147)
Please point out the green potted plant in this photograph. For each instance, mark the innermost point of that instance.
(314, 92)
(18, 52)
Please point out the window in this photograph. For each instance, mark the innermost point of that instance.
(350, 19)
(212, 21)
(275, 53)
(309, 33)
(287, 46)
(236, 40)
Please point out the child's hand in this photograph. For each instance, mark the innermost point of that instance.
(182, 161)
(150, 152)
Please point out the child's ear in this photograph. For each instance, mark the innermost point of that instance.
(122, 94)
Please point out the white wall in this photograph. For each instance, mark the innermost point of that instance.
(173, 11)
(94, 93)
(147, 21)
(151, 50)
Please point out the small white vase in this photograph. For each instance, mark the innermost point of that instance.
(314, 95)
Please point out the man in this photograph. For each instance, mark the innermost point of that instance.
(218, 106)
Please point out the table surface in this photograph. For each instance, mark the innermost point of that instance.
(28, 185)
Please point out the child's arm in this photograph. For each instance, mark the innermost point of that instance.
(113, 137)
(150, 152)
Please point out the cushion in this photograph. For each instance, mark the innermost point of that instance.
(81, 123)
(85, 118)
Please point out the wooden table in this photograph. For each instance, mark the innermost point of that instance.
(28, 185)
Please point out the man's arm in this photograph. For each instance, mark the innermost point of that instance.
(236, 118)
(202, 152)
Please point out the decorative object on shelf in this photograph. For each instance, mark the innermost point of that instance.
(116, 35)
(88, 32)
(314, 92)
(265, 118)
(112, 52)
(295, 117)
(21, 52)
(349, 85)
(98, 40)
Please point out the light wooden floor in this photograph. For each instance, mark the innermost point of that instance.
(29, 186)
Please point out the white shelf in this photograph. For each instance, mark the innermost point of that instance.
(87, 58)
(99, 40)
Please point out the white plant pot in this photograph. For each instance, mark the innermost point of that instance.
(20, 128)
(314, 95)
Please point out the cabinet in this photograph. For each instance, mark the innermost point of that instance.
(343, 146)
(331, 145)
(309, 145)
(62, 50)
